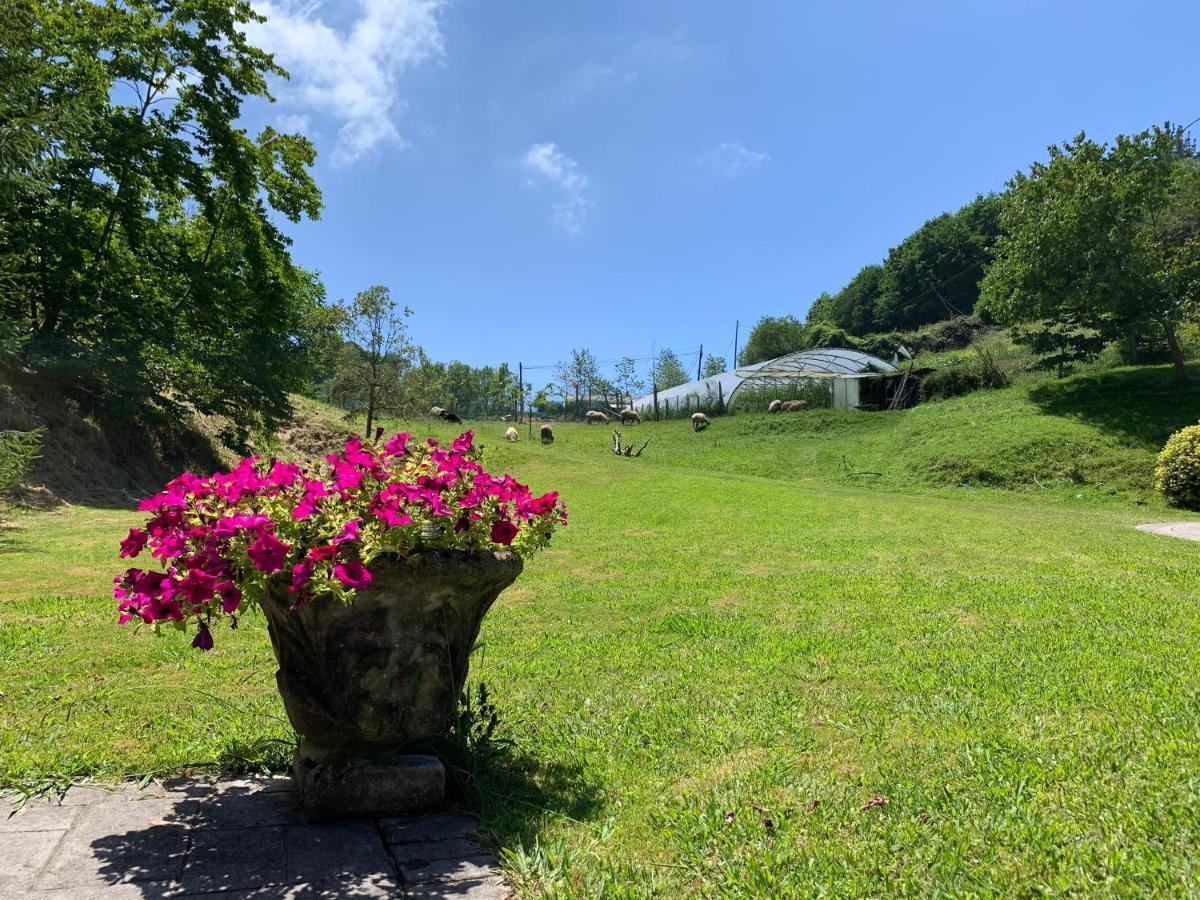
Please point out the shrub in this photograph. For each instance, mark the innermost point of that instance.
(18, 450)
(963, 378)
(1177, 475)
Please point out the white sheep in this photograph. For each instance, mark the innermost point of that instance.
(775, 406)
(595, 417)
(630, 417)
(511, 435)
(700, 421)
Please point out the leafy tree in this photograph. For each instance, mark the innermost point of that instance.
(668, 371)
(770, 338)
(855, 304)
(826, 334)
(1103, 237)
(140, 227)
(823, 309)
(935, 272)
(1059, 344)
(625, 377)
(714, 365)
(376, 357)
(578, 375)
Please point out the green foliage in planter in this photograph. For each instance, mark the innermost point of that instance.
(1177, 475)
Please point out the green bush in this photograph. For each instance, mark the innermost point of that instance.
(1177, 475)
(963, 378)
(18, 450)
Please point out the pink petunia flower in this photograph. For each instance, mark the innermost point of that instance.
(132, 545)
(203, 639)
(397, 444)
(267, 552)
(231, 597)
(349, 532)
(353, 574)
(503, 532)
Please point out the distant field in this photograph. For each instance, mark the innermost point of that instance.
(734, 649)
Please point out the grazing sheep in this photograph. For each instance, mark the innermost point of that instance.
(630, 417)
(700, 421)
(775, 406)
(547, 434)
(506, 418)
(795, 405)
(511, 435)
(447, 416)
(595, 417)
(436, 411)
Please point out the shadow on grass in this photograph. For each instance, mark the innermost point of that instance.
(12, 537)
(1143, 406)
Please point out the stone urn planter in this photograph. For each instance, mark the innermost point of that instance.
(374, 568)
(362, 680)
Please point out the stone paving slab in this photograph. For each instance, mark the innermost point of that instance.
(1189, 531)
(243, 839)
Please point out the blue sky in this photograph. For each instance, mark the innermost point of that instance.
(531, 177)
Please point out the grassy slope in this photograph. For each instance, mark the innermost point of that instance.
(728, 622)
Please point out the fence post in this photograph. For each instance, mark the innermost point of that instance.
(720, 398)
(656, 403)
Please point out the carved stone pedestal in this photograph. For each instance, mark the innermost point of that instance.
(341, 784)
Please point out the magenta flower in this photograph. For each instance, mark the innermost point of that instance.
(357, 456)
(393, 518)
(217, 537)
(346, 477)
(301, 575)
(283, 475)
(349, 532)
(231, 597)
(197, 587)
(168, 545)
(397, 443)
(229, 526)
(503, 532)
(353, 574)
(267, 552)
(133, 544)
(203, 639)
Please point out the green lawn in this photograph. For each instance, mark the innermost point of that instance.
(733, 649)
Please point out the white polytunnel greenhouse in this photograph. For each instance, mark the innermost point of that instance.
(839, 378)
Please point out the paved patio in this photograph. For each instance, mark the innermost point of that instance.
(1189, 531)
(231, 839)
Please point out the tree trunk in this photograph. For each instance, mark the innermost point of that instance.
(1176, 352)
(371, 400)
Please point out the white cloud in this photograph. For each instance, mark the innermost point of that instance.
(731, 158)
(294, 123)
(352, 72)
(547, 164)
